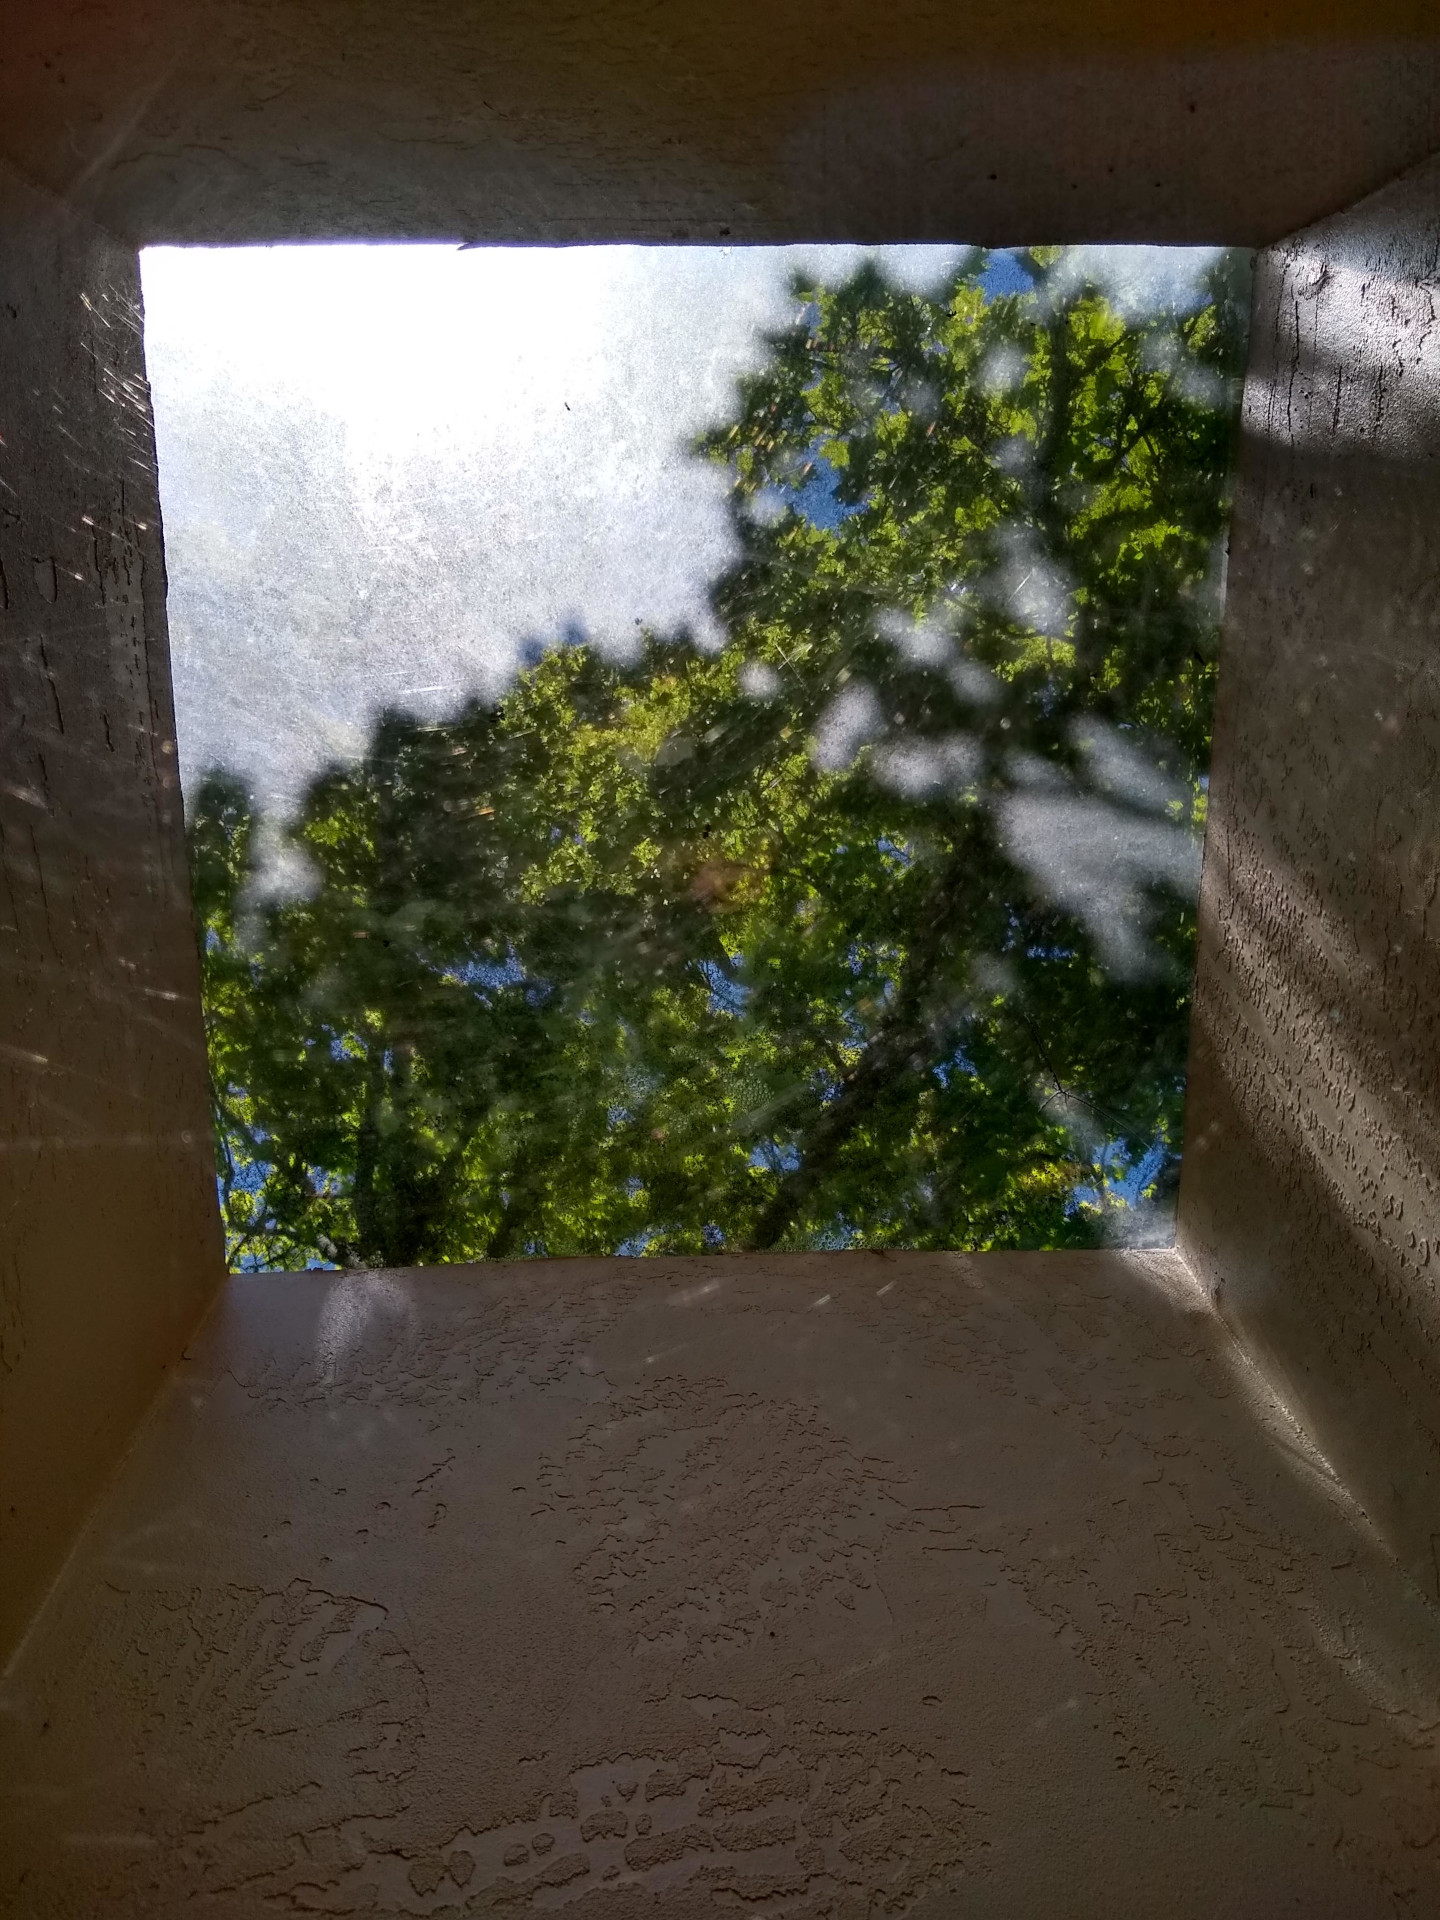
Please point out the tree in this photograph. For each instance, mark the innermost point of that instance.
(872, 927)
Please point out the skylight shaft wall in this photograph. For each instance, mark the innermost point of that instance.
(109, 1248)
(1309, 1206)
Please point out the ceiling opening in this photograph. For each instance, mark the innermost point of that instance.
(694, 748)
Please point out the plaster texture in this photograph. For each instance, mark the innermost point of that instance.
(819, 1585)
(204, 120)
(109, 1244)
(1309, 1202)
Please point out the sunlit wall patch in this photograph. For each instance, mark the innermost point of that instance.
(694, 749)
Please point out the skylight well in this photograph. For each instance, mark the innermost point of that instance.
(689, 748)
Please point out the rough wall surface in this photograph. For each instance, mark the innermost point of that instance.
(1223, 121)
(109, 1236)
(828, 1585)
(1310, 1196)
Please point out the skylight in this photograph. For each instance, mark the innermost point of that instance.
(693, 749)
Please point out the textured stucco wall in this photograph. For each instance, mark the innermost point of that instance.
(826, 1586)
(1310, 1197)
(1308, 1183)
(109, 1235)
(819, 119)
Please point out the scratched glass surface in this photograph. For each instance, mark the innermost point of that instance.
(693, 749)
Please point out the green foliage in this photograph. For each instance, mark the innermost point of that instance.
(734, 947)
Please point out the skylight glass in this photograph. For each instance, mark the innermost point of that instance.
(693, 749)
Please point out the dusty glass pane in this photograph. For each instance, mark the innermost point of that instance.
(689, 748)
